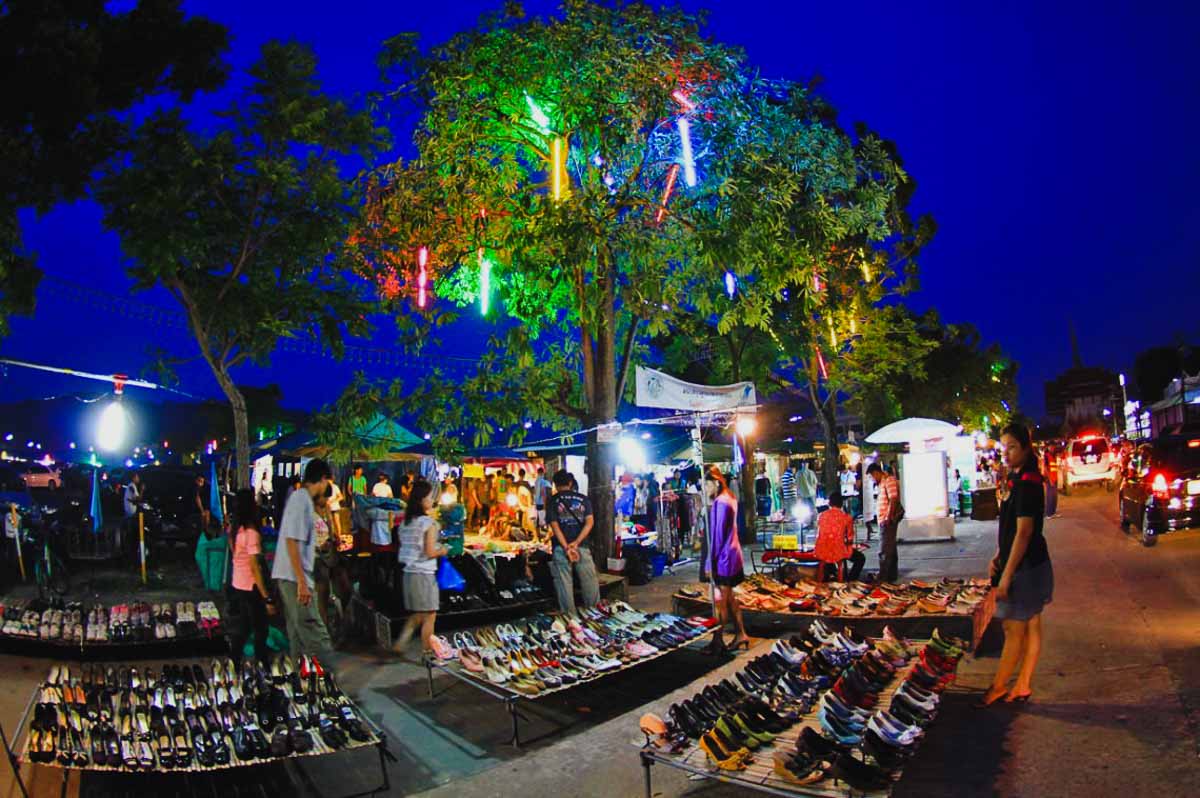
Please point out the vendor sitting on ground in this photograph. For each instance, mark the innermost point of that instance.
(835, 541)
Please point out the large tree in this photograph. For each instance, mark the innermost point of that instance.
(245, 225)
(69, 68)
(585, 175)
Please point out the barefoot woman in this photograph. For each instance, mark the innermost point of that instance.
(725, 559)
(1021, 570)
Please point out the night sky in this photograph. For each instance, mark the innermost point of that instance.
(1053, 142)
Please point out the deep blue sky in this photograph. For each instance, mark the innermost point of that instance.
(1053, 142)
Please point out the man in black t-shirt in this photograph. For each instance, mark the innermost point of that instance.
(569, 515)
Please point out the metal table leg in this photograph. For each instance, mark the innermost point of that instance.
(647, 763)
(515, 741)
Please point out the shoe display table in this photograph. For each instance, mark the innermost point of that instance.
(914, 623)
(188, 719)
(760, 775)
(551, 654)
(137, 630)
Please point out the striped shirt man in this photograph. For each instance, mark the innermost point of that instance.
(787, 485)
(889, 498)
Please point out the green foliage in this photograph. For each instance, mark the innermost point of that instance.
(783, 193)
(964, 381)
(69, 68)
(245, 226)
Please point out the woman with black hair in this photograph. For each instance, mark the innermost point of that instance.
(1021, 571)
(249, 585)
(419, 551)
(725, 563)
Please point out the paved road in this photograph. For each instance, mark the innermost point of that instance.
(1116, 710)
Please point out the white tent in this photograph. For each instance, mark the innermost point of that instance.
(913, 429)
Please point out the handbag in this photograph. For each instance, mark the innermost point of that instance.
(448, 577)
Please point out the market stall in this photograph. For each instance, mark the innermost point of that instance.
(961, 607)
(924, 474)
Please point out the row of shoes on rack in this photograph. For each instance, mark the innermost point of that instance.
(182, 716)
(948, 596)
(548, 652)
(841, 676)
(859, 741)
(772, 692)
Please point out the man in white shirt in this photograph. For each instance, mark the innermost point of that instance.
(294, 563)
(382, 489)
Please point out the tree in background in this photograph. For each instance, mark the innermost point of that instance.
(963, 382)
(244, 226)
(811, 243)
(68, 69)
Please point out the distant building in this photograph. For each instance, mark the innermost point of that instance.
(1083, 393)
(1180, 405)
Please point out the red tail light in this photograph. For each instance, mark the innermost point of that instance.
(1159, 486)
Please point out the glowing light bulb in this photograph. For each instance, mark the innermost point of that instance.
(730, 284)
(746, 425)
(112, 427)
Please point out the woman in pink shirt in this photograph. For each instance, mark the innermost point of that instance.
(249, 587)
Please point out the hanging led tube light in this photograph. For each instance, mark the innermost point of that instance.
(821, 362)
(423, 276)
(730, 284)
(485, 282)
(558, 168)
(685, 146)
(672, 176)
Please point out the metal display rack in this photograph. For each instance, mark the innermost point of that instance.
(760, 776)
(18, 754)
(510, 698)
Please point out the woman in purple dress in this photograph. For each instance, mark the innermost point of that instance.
(724, 560)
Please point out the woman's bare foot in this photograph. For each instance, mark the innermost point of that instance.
(741, 641)
(1018, 695)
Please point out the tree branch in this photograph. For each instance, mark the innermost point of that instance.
(626, 356)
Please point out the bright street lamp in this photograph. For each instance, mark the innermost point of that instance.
(114, 423)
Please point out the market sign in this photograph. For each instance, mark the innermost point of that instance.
(656, 389)
(473, 470)
(785, 543)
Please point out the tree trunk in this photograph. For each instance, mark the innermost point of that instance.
(602, 401)
(241, 427)
(827, 412)
(749, 495)
(601, 461)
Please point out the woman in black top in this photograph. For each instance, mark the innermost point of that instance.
(1021, 570)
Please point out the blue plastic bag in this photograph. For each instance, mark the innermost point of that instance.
(448, 577)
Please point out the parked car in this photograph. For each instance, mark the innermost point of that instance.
(1088, 459)
(169, 495)
(1161, 489)
(40, 476)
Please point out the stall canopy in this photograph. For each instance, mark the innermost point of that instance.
(913, 429)
(380, 439)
